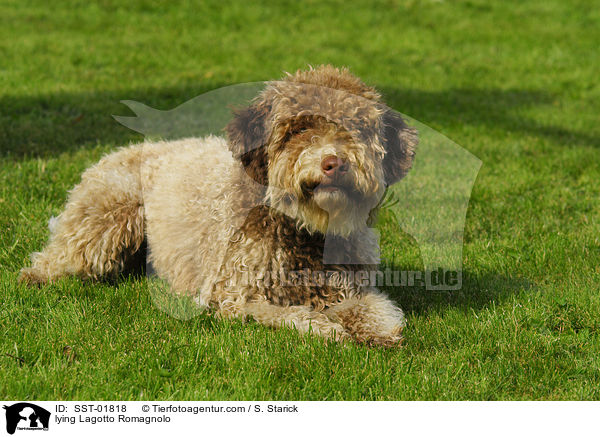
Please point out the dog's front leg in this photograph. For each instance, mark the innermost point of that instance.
(370, 318)
(301, 317)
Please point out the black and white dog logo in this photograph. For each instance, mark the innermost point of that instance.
(26, 416)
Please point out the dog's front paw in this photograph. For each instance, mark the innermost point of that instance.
(390, 339)
(323, 327)
(337, 332)
(370, 319)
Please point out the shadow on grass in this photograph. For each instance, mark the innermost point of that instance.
(491, 108)
(477, 293)
(48, 125)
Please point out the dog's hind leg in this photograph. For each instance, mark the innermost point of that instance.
(101, 227)
(303, 318)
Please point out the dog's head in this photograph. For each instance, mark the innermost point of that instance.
(325, 146)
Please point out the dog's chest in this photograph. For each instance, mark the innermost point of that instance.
(270, 258)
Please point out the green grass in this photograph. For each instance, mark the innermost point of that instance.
(516, 83)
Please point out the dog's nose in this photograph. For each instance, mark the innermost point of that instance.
(332, 166)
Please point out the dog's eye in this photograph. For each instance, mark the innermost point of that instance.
(293, 132)
(299, 130)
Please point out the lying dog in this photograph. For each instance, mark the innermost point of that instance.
(319, 147)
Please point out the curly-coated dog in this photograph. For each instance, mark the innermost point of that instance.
(315, 150)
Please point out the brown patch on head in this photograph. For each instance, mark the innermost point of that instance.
(400, 142)
(336, 78)
(248, 135)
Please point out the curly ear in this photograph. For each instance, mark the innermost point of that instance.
(400, 142)
(247, 134)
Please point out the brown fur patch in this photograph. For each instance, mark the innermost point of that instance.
(400, 145)
(297, 251)
(337, 78)
(247, 136)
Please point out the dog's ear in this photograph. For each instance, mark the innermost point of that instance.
(400, 142)
(248, 134)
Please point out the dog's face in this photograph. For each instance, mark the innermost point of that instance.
(325, 153)
(322, 176)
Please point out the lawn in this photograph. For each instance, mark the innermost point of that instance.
(515, 83)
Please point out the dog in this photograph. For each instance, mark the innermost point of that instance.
(302, 168)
